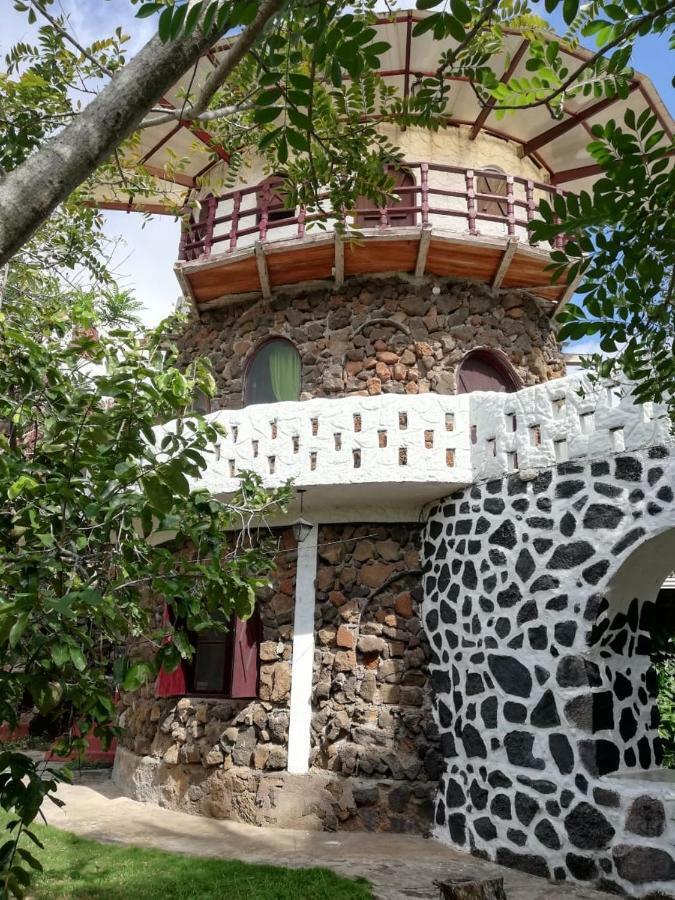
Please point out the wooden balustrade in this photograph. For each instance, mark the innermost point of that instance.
(428, 197)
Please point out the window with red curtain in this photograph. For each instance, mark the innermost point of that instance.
(224, 664)
(484, 370)
(277, 211)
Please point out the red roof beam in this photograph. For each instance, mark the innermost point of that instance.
(487, 109)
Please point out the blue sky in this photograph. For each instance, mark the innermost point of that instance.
(145, 262)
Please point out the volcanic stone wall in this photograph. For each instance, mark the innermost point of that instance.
(543, 682)
(375, 336)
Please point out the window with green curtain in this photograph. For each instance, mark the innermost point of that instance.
(273, 374)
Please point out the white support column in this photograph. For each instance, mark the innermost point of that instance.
(299, 729)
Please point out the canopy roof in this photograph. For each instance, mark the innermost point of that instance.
(557, 146)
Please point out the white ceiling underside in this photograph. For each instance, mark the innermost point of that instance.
(175, 155)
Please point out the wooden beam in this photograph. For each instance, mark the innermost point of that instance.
(186, 287)
(423, 251)
(263, 271)
(583, 172)
(576, 119)
(487, 109)
(509, 252)
(567, 296)
(339, 267)
(160, 143)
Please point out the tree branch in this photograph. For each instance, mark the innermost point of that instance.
(188, 116)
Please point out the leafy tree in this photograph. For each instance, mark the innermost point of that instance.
(88, 481)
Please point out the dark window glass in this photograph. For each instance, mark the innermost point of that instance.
(273, 374)
(277, 211)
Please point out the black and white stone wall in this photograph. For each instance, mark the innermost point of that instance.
(545, 700)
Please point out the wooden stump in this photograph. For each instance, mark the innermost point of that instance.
(470, 889)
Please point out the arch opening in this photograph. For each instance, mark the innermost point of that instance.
(486, 370)
(273, 373)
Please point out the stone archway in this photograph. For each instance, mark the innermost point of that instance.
(530, 587)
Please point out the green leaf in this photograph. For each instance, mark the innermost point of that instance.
(77, 658)
(461, 11)
(17, 629)
(22, 483)
(148, 9)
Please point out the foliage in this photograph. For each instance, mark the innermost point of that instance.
(87, 478)
(624, 247)
(79, 869)
(663, 660)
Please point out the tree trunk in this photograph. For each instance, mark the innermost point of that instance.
(30, 193)
(469, 889)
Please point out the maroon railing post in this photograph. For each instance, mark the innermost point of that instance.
(559, 242)
(211, 204)
(425, 192)
(301, 221)
(471, 201)
(234, 225)
(264, 210)
(529, 197)
(510, 207)
(184, 232)
(384, 218)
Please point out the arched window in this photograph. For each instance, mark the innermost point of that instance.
(491, 180)
(277, 211)
(485, 370)
(368, 214)
(273, 373)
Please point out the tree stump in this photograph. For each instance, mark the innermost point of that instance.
(470, 889)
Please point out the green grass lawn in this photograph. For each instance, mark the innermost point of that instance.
(80, 869)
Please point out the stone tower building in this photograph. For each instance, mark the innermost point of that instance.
(460, 643)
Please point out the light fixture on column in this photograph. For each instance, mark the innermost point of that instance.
(301, 527)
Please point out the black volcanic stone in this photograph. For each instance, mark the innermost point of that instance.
(628, 468)
(598, 469)
(526, 808)
(488, 711)
(557, 603)
(644, 753)
(627, 724)
(544, 504)
(646, 817)
(469, 577)
(568, 524)
(587, 828)
(501, 807)
(544, 583)
(591, 712)
(482, 525)
(545, 713)
(568, 488)
(562, 753)
(529, 863)
(527, 613)
(608, 490)
(565, 632)
(499, 779)
(440, 681)
(575, 671)
(479, 796)
(515, 712)
(547, 835)
(515, 485)
(513, 677)
(599, 757)
(494, 505)
(627, 540)
(435, 529)
(509, 596)
(454, 795)
(542, 674)
(553, 808)
(566, 797)
(503, 627)
(473, 743)
(541, 785)
(582, 868)
(505, 535)
(665, 494)
(497, 558)
(604, 797)
(643, 864)
(542, 545)
(594, 573)
(448, 748)
(623, 687)
(485, 829)
(539, 522)
(525, 565)
(538, 637)
(653, 475)
(658, 453)
(567, 556)
(474, 684)
(602, 515)
(636, 496)
(457, 827)
(518, 746)
(516, 836)
(520, 505)
(542, 481)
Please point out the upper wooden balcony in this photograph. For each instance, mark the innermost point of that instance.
(446, 223)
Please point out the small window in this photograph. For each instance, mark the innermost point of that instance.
(277, 211)
(491, 180)
(485, 370)
(368, 214)
(224, 664)
(273, 374)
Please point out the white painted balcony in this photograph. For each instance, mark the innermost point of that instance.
(384, 458)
